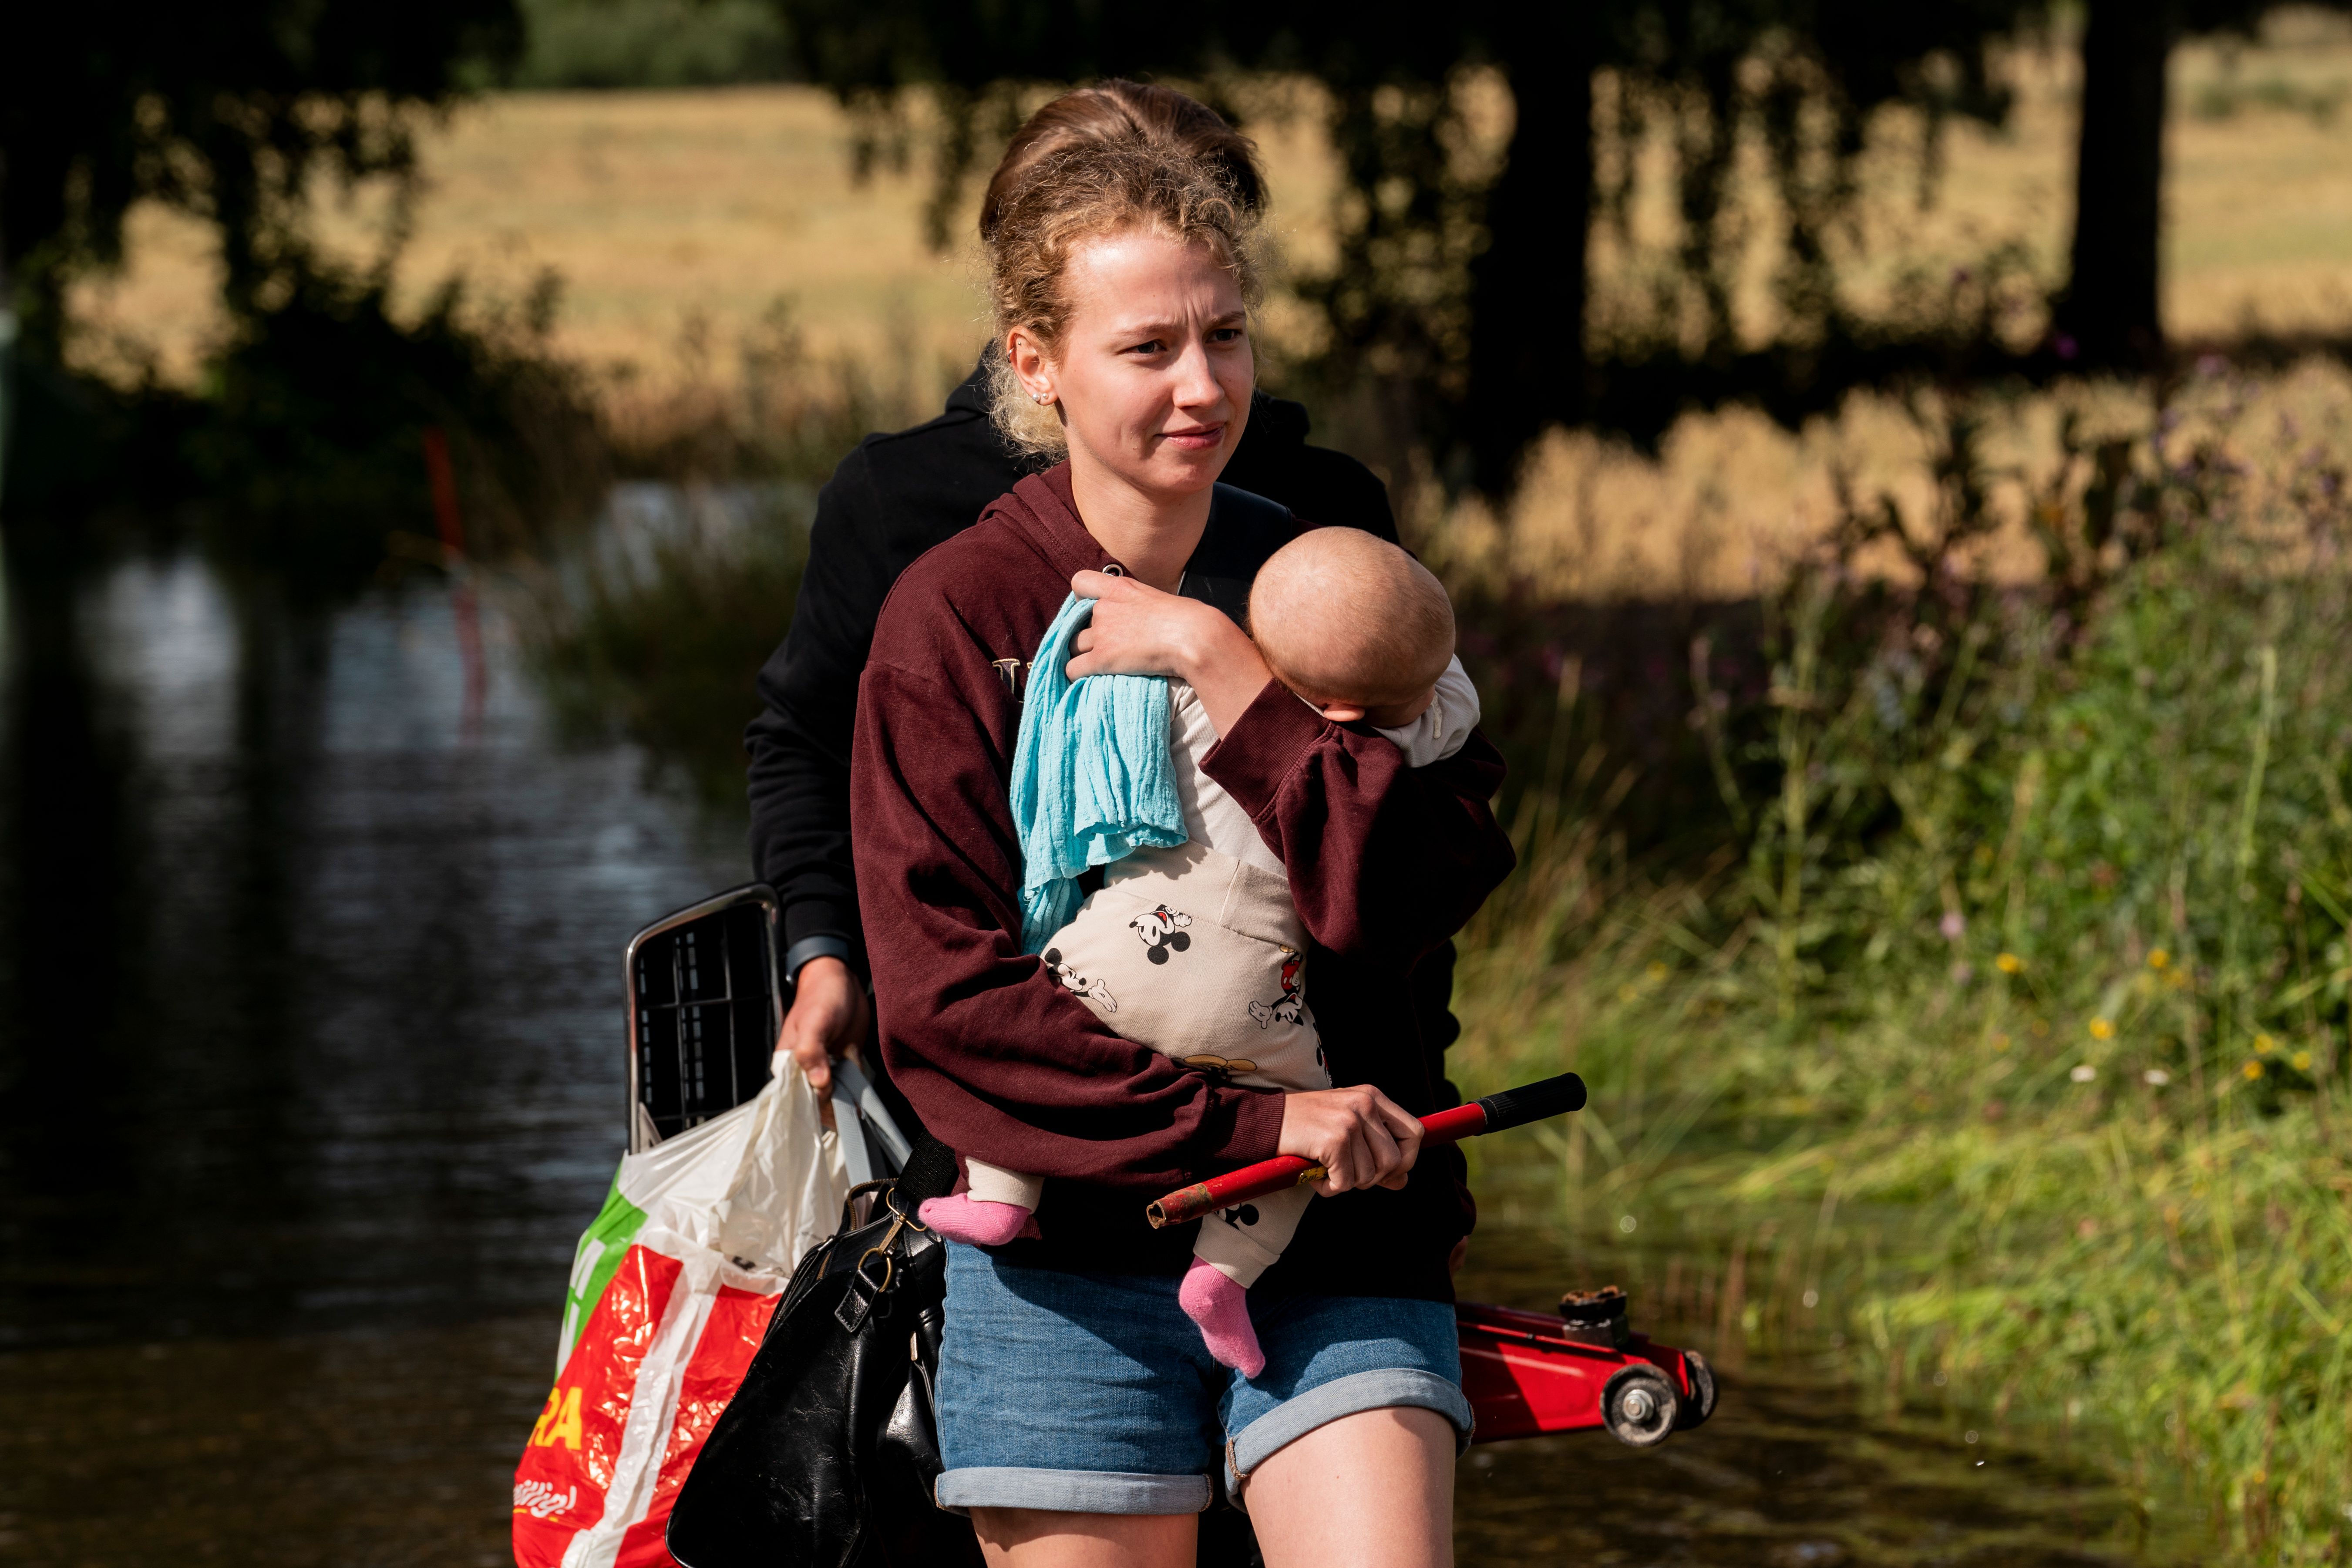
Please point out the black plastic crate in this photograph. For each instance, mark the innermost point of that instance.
(705, 1007)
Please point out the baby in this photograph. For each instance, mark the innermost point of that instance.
(1198, 950)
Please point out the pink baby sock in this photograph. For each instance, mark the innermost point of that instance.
(1221, 1310)
(975, 1222)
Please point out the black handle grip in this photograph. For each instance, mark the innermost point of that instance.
(1533, 1102)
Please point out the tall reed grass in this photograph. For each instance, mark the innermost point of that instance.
(652, 621)
(1998, 1033)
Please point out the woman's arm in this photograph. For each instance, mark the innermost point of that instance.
(1139, 630)
(799, 745)
(1359, 1136)
(1383, 858)
(999, 1059)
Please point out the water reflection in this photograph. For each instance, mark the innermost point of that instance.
(309, 996)
(312, 1072)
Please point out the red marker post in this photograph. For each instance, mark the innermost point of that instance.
(1511, 1108)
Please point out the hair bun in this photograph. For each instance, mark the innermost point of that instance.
(1121, 111)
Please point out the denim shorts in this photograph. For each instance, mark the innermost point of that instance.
(1093, 1393)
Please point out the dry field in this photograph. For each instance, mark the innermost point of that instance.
(676, 221)
(1731, 498)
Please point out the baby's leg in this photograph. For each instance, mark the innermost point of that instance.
(1236, 1245)
(998, 1208)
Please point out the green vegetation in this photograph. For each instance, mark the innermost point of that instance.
(659, 642)
(651, 43)
(2001, 1033)
(652, 625)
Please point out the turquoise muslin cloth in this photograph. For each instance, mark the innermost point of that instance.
(1092, 780)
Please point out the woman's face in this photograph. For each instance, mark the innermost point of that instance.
(1154, 371)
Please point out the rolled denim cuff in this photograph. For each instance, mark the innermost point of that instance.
(1070, 1491)
(809, 947)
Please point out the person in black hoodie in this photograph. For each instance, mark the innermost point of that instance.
(894, 498)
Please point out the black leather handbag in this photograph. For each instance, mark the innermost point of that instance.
(828, 1453)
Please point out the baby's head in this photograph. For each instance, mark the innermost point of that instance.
(1353, 625)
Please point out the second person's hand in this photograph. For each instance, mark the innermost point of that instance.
(829, 1016)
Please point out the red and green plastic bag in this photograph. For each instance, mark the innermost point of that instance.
(671, 1288)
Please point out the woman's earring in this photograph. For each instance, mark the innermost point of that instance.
(1042, 398)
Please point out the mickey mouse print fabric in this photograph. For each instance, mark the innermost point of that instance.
(1200, 957)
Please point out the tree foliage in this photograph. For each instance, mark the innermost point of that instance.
(305, 432)
(230, 110)
(1460, 278)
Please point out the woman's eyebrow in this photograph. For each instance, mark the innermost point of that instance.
(1139, 331)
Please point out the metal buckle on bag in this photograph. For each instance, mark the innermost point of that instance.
(890, 1202)
(864, 1290)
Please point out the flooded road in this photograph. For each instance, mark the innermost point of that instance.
(310, 1071)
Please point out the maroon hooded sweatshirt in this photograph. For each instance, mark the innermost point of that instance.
(1002, 1064)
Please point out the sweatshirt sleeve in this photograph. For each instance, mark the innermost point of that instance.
(999, 1062)
(1385, 859)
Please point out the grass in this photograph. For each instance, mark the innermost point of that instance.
(629, 631)
(652, 623)
(2002, 1035)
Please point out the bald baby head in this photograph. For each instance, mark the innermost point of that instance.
(1347, 620)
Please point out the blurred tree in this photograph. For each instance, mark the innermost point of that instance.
(2111, 314)
(1460, 291)
(238, 113)
(228, 110)
(652, 43)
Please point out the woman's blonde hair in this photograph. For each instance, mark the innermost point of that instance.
(1100, 161)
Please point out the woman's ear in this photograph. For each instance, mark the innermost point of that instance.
(1026, 355)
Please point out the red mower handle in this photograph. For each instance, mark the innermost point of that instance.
(1510, 1108)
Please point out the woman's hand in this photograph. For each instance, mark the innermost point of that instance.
(1139, 630)
(1359, 1136)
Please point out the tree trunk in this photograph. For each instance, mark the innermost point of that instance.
(2111, 315)
(1526, 331)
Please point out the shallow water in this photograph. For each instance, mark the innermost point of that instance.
(1795, 1470)
(310, 1071)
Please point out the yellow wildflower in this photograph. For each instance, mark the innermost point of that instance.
(2252, 1072)
(2158, 958)
(2008, 963)
(2001, 1042)
(1657, 971)
(2102, 1030)
(2265, 1045)
(2301, 1060)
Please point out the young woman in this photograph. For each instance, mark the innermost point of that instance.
(1083, 1422)
(900, 493)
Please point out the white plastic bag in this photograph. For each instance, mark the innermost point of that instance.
(671, 1288)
